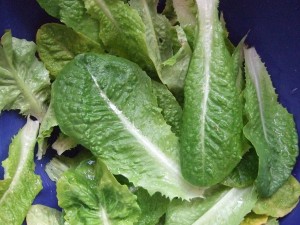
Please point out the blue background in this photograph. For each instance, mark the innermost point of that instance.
(274, 27)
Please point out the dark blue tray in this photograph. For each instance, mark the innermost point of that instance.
(274, 31)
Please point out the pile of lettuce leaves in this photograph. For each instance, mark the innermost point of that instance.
(176, 125)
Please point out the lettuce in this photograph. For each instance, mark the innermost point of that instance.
(20, 184)
(116, 121)
(211, 131)
(43, 215)
(270, 128)
(24, 81)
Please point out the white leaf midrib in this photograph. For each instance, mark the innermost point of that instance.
(28, 136)
(103, 216)
(206, 10)
(151, 148)
(254, 67)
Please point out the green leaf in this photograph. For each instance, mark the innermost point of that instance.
(20, 184)
(171, 109)
(46, 128)
(74, 15)
(211, 134)
(58, 45)
(186, 12)
(254, 219)
(270, 128)
(89, 194)
(222, 206)
(63, 143)
(245, 173)
(152, 207)
(281, 202)
(115, 115)
(122, 30)
(171, 68)
(24, 81)
(43, 215)
(175, 68)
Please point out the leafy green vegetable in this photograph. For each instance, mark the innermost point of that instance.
(46, 128)
(63, 143)
(171, 109)
(245, 173)
(152, 207)
(118, 119)
(74, 15)
(24, 81)
(58, 45)
(122, 30)
(281, 202)
(43, 215)
(254, 219)
(20, 184)
(222, 206)
(211, 131)
(89, 194)
(270, 128)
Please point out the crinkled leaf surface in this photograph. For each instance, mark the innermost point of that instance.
(107, 104)
(74, 15)
(222, 206)
(211, 135)
(270, 128)
(43, 215)
(20, 184)
(122, 30)
(89, 194)
(59, 44)
(171, 110)
(281, 202)
(24, 81)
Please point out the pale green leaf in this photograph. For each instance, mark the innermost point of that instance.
(43, 215)
(63, 143)
(222, 206)
(254, 219)
(20, 184)
(107, 104)
(24, 81)
(89, 194)
(270, 128)
(281, 202)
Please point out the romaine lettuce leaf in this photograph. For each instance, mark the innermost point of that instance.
(59, 44)
(122, 30)
(24, 81)
(46, 128)
(270, 128)
(254, 219)
(43, 215)
(152, 207)
(74, 15)
(63, 143)
(245, 173)
(20, 184)
(89, 194)
(222, 206)
(107, 104)
(281, 202)
(211, 131)
(171, 109)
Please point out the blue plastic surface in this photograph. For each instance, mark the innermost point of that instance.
(274, 31)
